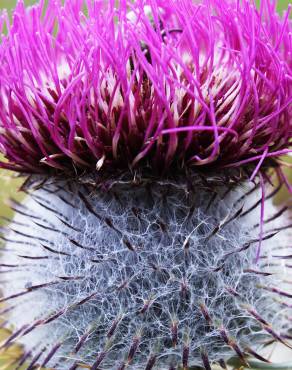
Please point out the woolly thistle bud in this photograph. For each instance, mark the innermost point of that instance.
(143, 244)
(116, 278)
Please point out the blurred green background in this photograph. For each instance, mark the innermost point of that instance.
(9, 4)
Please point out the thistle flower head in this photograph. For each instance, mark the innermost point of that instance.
(169, 273)
(90, 86)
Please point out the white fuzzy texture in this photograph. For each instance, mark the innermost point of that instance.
(151, 260)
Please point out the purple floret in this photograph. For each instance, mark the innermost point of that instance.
(93, 86)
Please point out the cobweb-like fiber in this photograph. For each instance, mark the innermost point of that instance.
(150, 277)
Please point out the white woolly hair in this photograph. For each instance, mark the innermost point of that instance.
(148, 277)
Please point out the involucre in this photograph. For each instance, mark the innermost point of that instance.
(150, 134)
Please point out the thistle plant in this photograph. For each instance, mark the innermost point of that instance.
(150, 134)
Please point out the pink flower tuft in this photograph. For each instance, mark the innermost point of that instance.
(90, 86)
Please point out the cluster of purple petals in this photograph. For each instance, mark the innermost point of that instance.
(91, 85)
